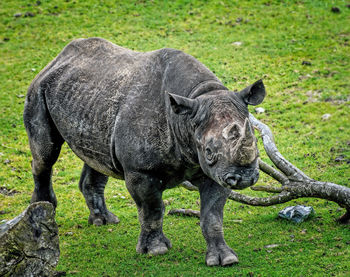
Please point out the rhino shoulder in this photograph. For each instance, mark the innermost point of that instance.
(171, 54)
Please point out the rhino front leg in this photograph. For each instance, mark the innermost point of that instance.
(213, 198)
(92, 185)
(147, 194)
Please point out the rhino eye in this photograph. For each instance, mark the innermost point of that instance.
(210, 156)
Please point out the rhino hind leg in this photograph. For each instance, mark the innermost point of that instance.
(213, 198)
(42, 172)
(92, 185)
(148, 197)
(45, 144)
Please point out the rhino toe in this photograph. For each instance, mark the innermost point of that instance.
(96, 221)
(221, 255)
(153, 244)
(99, 220)
(112, 218)
(158, 250)
(229, 260)
(212, 260)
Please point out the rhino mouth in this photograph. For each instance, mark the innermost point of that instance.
(232, 179)
(240, 181)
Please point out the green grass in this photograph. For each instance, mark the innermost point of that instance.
(276, 36)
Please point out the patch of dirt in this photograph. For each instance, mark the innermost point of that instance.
(337, 101)
(316, 96)
(338, 154)
(335, 10)
(313, 96)
(8, 192)
(306, 63)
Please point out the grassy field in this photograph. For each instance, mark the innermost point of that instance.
(300, 49)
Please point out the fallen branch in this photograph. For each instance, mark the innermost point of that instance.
(295, 183)
(187, 212)
(267, 189)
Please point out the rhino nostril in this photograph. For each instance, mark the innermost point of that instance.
(255, 178)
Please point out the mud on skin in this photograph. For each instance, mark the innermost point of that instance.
(153, 119)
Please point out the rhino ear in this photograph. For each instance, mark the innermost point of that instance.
(254, 94)
(182, 105)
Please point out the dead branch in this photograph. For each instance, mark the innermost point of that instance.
(295, 183)
(271, 189)
(273, 173)
(249, 200)
(187, 212)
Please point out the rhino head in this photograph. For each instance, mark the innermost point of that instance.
(224, 138)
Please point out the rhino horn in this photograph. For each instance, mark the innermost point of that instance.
(247, 138)
(246, 150)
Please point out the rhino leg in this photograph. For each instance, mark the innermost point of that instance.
(148, 197)
(213, 198)
(45, 144)
(42, 172)
(92, 185)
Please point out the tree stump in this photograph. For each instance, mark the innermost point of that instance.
(29, 243)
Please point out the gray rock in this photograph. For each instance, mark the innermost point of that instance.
(237, 43)
(271, 246)
(29, 243)
(326, 116)
(296, 213)
(259, 110)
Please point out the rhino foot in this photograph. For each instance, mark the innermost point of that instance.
(153, 243)
(103, 219)
(221, 255)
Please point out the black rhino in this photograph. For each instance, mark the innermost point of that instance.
(153, 119)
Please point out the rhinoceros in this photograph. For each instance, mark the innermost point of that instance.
(153, 119)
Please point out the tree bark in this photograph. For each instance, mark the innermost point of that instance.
(29, 243)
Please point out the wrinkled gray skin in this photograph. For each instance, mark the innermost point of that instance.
(153, 119)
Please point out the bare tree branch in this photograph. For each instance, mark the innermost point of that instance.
(280, 177)
(271, 189)
(188, 185)
(187, 212)
(261, 201)
(292, 172)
